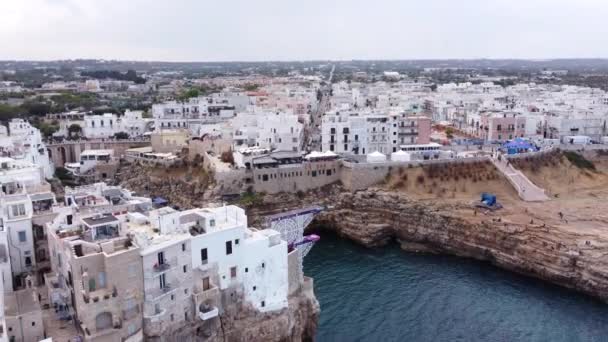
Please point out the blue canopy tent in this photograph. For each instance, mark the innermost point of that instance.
(518, 145)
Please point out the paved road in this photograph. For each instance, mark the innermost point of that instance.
(313, 142)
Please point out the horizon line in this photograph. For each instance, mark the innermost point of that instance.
(306, 60)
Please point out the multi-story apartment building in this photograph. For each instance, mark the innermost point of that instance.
(97, 276)
(364, 133)
(22, 141)
(128, 273)
(275, 131)
(25, 202)
(102, 126)
(499, 126)
(193, 114)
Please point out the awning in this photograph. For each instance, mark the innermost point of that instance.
(42, 197)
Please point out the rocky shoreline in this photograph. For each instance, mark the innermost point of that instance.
(374, 218)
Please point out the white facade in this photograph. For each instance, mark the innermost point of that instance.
(194, 114)
(24, 142)
(89, 159)
(101, 126)
(274, 131)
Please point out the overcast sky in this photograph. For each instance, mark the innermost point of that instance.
(229, 30)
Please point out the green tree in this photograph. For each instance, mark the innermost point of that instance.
(74, 130)
(8, 112)
(449, 132)
(36, 108)
(190, 93)
(251, 87)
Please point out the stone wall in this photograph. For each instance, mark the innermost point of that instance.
(296, 177)
(360, 176)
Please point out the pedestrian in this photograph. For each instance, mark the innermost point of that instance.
(561, 215)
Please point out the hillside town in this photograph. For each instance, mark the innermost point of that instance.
(84, 258)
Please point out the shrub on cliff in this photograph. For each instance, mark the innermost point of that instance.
(579, 161)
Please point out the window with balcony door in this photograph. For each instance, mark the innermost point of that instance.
(162, 281)
(161, 258)
(228, 247)
(204, 256)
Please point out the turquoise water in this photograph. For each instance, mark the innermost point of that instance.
(390, 295)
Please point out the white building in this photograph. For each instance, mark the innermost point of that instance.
(275, 131)
(25, 199)
(362, 133)
(22, 141)
(89, 159)
(194, 114)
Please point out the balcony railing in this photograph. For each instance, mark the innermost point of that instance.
(208, 313)
(153, 294)
(165, 265)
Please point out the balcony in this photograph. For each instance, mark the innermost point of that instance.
(154, 294)
(166, 265)
(208, 312)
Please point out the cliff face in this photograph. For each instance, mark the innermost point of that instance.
(571, 258)
(240, 322)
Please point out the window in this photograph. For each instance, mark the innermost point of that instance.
(204, 256)
(162, 281)
(206, 284)
(185, 268)
(172, 318)
(22, 236)
(263, 303)
(18, 210)
(28, 261)
(33, 324)
(246, 269)
(254, 288)
(263, 265)
(212, 223)
(236, 242)
(233, 272)
(228, 247)
(183, 247)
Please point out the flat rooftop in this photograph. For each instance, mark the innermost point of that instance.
(21, 302)
(97, 220)
(96, 152)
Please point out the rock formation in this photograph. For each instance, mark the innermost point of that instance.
(566, 257)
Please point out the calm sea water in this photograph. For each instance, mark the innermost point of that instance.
(390, 295)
